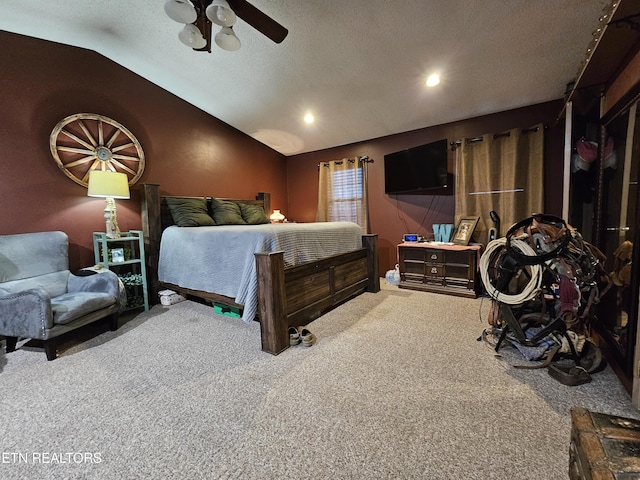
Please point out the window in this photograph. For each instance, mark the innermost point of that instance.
(347, 195)
(342, 192)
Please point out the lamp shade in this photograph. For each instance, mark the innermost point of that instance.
(191, 37)
(276, 217)
(108, 184)
(220, 13)
(181, 11)
(227, 40)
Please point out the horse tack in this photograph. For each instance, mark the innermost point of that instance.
(572, 279)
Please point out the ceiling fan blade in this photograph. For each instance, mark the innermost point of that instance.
(258, 20)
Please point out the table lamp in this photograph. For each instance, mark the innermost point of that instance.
(109, 185)
(276, 217)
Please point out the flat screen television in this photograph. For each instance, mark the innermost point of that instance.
(419, 170)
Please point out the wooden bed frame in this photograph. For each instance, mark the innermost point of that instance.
(287, 297)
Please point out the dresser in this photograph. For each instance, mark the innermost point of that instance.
(432, 267)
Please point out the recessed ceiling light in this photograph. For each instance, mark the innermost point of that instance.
(308, 118)
(433, 80)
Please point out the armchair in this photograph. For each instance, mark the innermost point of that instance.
(41, 299)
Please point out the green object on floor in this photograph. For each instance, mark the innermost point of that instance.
(228, 310)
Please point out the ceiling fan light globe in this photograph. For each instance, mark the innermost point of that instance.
(200, 42)
(181, 11)
(227, 40)
(191, 37)
(220, 13)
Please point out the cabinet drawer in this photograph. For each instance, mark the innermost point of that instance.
(434, 256)
(413, 267)
(412, 278)
(416, 254)
(434, 270)
(458, 271)
(459, 283)
(463, 258)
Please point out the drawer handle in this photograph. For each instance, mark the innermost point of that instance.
(434, 256)
(434, 270)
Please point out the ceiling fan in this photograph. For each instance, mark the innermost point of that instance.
(198, 16)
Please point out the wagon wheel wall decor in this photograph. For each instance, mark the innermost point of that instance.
(85, 142)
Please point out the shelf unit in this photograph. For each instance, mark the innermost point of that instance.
(131, 268)
(452, 270)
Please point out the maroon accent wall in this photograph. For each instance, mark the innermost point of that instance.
(188, 152)
(391, 216)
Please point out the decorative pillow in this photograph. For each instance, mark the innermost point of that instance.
(253, 214)
(225, 212)
(189, 212)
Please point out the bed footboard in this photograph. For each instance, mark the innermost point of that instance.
(295, 296)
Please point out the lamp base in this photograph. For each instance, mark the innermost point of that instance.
(111, 220)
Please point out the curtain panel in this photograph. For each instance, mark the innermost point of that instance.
(503, 173)
(342, 192)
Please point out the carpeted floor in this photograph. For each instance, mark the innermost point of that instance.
(395, 387)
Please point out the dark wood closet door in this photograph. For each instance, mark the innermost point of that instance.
(620, 239)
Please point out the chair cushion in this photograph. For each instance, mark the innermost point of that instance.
(69, 306)
(28, 255)
(54, 283)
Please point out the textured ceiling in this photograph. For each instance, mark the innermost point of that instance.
(358, 65)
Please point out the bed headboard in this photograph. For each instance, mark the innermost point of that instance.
(166, 219)
(156, 216)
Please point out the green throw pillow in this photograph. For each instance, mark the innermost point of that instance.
(189, 212)
(225, 212)
(253, 214)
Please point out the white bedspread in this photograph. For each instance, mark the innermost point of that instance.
(221, 259)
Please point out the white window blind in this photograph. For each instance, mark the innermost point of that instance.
(347, 195)
(342, 192)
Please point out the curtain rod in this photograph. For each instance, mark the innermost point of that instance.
(364, 158)
(457, 143)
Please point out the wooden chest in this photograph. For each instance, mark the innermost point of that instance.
(603, 447)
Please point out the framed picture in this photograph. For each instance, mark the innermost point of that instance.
(117, 255)
(464, 230)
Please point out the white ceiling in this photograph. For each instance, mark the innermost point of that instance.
(358, 65)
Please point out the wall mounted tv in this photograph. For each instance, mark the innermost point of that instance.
(419, 170)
